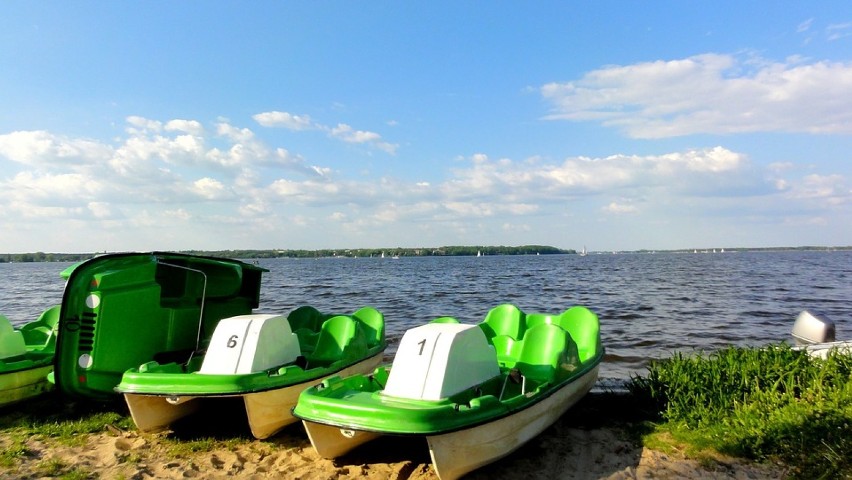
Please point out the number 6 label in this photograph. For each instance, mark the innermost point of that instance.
(232, 342)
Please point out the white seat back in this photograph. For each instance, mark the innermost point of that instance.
(438, 360)
(249, 344)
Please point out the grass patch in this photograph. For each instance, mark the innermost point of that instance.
(757, 403)
(58, 469)
(14, 452)
(67, 422)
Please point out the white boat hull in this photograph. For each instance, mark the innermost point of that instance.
(456, 453)
(332, 442)
(153, 413)
(267, 412)
(821, 350)
(270, 411)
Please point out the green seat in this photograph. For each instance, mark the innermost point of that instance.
(507, 349)
(584, 327)
(11, 340)
(335, 335)
(543, 352)
(505, 319)
(42, 332)
(305, 317)
(373, 324)
(445, 320)
(533, 319)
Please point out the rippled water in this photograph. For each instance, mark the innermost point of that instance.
(649, 304)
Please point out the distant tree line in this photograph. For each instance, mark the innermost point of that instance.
(43, 257)
(345, 252)
(388, 252)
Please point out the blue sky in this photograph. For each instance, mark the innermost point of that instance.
(611, 125)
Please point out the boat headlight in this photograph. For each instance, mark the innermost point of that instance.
(92, 301)
(85, 361)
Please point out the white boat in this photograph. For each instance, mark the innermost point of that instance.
(475, 392)
(815, 333)
(257, 357)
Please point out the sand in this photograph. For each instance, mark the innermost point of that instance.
(595, 439)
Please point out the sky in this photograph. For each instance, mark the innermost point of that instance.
(610, 125)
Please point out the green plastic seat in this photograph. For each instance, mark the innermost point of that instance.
(335, 335)
(543, 352)
(533, 319)
(445, 320)
(42, 332)
(507, 349)
(11, 340)
(373, 324)
(505, 319)
(305, 317)
(584, 327)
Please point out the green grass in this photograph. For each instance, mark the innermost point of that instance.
(58, 469)
(63, 421)
(761, 404)
(15, 451)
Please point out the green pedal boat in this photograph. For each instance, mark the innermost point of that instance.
(122, 310)
(26, 357)
(476, 392)
(27, 354)
(268, 360)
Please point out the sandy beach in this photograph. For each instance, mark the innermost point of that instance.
(596, 439)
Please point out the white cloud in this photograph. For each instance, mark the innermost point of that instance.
(164, 178)
(191, 127)
(711, 93)
(142, 126)
(235, 134)
(687, 171)
(838, 30)
(831, 188)
(54, 188)
(210, 189)
(347, 134)
(805, 26)
(39, 147)
(283, 119)
(341, 132)
(310, 192)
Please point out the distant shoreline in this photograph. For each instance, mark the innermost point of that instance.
(447, 251)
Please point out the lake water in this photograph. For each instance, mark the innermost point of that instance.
(650, 305)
